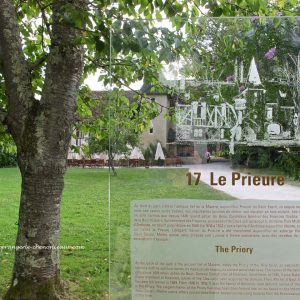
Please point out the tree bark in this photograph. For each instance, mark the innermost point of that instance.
(111, 163)
(36, 267)
(42, 132)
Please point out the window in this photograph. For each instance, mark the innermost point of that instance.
(79, 138)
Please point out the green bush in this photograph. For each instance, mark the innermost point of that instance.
(8, 151)
(223, 153)
(8, 159)
(259, 158)
(239, 158)
(251, 157)
(149, 153)
(289, 163)
(263, 157)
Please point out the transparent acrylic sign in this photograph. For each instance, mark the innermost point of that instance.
(190, 249)
(192, 102)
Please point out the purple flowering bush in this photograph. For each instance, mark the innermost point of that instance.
(271, 52)
(230, 78)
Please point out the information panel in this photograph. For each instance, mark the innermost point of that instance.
(223, 250)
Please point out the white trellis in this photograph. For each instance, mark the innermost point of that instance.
(239, 122)
(194, 120)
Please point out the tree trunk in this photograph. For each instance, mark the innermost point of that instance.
(36, 268)
(111, 163)
(42, 132)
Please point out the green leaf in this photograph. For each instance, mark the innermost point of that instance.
(277, 22)
(217, 12)
(127, 28)
(134, 46)
(254, 5)
(117, 43)
(143, 42)
(100, 45)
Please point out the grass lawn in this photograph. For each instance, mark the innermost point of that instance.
(85, 221)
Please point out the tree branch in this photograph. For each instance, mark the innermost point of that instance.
(105, 66)
(15, 70)
(38, 62)
(124, 84)
(45, 19)
(142, 95)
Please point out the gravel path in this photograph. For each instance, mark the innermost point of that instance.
(276, 192)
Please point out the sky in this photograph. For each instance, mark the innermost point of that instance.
(95, 85)
(170, 72)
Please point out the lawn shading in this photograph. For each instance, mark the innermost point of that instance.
(84, 222)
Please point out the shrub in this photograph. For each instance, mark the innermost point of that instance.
(251, 157)
(149, 153)
(289, 163)
(8, 151)
(8, 159)
(263, 157)
(239, 158)
(259, 158)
